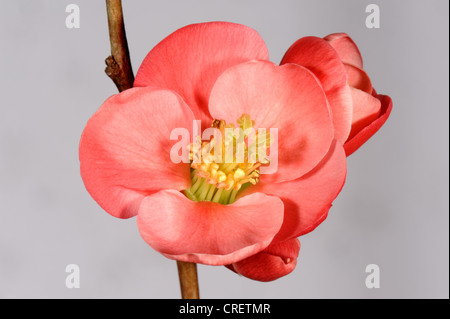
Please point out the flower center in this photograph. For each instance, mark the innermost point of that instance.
(228, 163)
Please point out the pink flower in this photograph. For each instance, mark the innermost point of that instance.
(358, 111)
(216, 213)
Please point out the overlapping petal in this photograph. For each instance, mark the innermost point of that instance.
(308, 199)
(346, 48)
(370, 111)
(189, 60)
(275, 261)
(288, 98)
(320, 58)
(366, 110)
(125, 149)
(358, 79)
(368, 131)
(207, 232)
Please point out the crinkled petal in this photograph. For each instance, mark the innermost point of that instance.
(346, 48)
(189, 60)
(288, 98)
(308, 199)
(367, 132)
(319, 57)
(125, 149)
(207, 232)
(274, 262)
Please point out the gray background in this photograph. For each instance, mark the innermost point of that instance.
(393, 210)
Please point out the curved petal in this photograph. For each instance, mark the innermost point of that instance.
(308, 199)
(189, 60)
(287, 98)
(274, 262)
(207, 232)
(347, 49)
(366, 110)
(367, 132)
(320, 58)
(125, 149)
(358, 78)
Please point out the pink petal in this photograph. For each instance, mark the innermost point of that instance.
(125, 149)
(347, 49)
(367, 132)
(308, 199)
(320, 58)
(207, 232)
(358, 78)
(288, 98)
(189, 60)
(366, 110)
(275, 261)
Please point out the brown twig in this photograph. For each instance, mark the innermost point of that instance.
(188, 280)
(118, 65)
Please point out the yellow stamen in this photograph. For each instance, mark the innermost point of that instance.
(214, 179)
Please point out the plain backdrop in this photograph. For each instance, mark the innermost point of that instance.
(393, 210)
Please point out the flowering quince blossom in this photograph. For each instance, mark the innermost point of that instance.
(230, 213)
